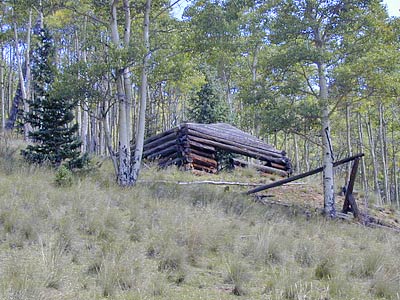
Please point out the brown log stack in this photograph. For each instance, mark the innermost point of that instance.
(194, 146)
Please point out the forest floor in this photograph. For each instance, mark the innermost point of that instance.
(162, 240)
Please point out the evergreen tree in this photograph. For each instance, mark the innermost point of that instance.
(208, 106)
(54, 139)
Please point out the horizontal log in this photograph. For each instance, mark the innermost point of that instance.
(265, 169)
(233, 142)
(199, 152)
(149, 152)
(160, 141)
(278, 166)
(204, 168)
(221, 131)
(164, 152)
(165, 159)
(177, 161)
(203, 160)
(303, 175)
(160, 135)
(186, 142)
(240, 150)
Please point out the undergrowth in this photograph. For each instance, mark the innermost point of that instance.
(93, 240)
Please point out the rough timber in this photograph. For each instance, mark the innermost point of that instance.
(194, 146)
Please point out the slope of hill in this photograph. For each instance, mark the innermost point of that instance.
(159, 240)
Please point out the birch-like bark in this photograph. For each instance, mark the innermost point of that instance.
(327, 150)
(348, 139)
(296, 154)
(361, 147)
(382, 143)
(27, 81)
(143, 94)
(374, 162)
(124, 162)
(394, 165)
(2, 86)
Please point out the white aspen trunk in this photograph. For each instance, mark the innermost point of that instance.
(3, 106)
(124, 162)
(143, 94)
(126, 71)
(327, 150)
(296, 154)
(27, 126)
(348, 139)
(374, 162)
(361, 143)
(394, 165)
(128, 94)
(383, 152)
(84, 127)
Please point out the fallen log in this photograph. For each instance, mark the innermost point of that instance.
(265, 169)
(303, 175)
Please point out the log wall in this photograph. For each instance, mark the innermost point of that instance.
(193, 146)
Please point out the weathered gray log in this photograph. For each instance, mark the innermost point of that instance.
(220, 130)
(190, 143)
(234, 142)
(160, 135)
(200, 152)
(160, 141)
(157, 149)
(240, 150)
(177, 161)
(167, 158)
(303, 175)
(164, 152)
(265, 169)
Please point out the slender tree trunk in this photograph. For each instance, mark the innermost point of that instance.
(3, 106)
(374, 162)
(125, 177)
(143, 94)
(296, 154)
(27, 126)
(348, 136)
(382, 142)
(327, 158)
(361, 145)
(394, 166)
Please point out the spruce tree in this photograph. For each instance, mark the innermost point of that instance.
(54, 139)
(208, 105)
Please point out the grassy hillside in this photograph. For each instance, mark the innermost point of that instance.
(94, 240)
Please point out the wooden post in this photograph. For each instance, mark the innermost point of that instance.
(297, 177)
(349, 201)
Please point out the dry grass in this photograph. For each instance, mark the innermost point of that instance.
(94, 240)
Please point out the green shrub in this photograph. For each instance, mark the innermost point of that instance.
(64, 177)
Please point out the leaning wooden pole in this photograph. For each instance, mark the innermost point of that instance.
(349, 201)
(303, 175)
